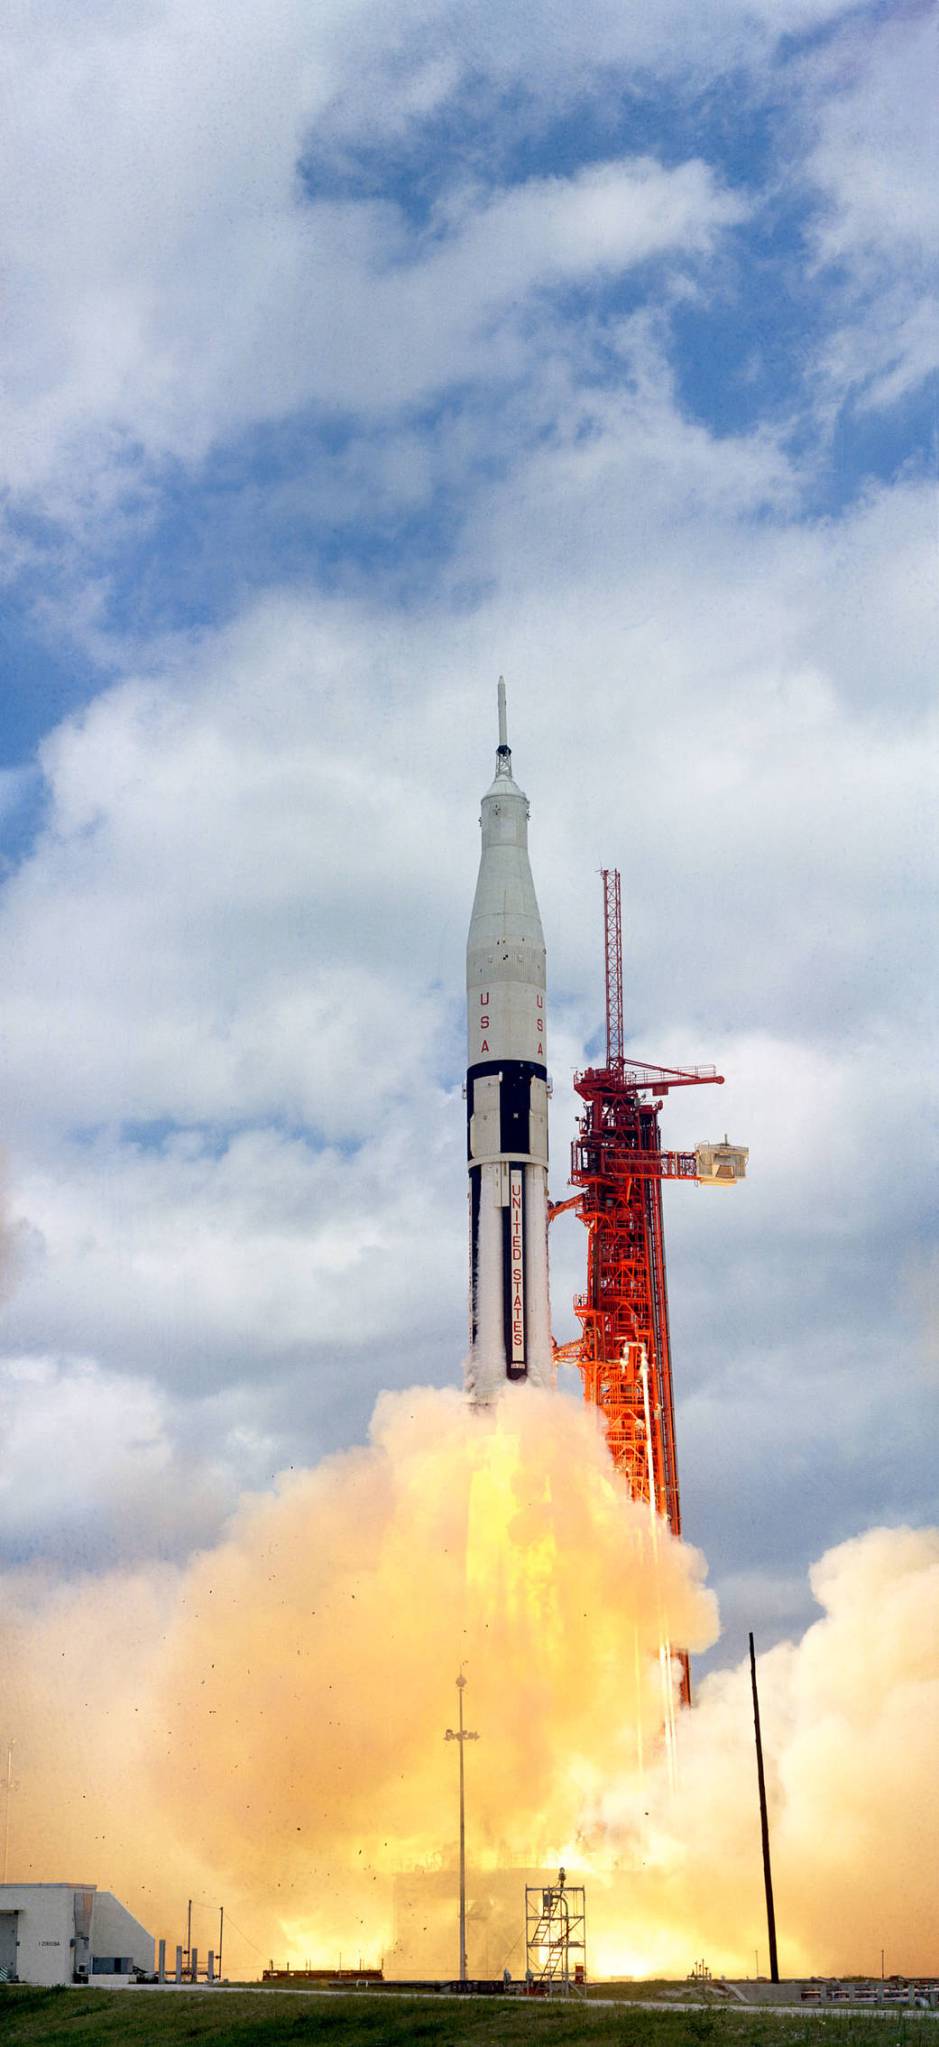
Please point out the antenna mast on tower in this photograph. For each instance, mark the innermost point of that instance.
(613, 942)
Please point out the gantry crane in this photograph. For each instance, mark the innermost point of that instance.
(618, 1165)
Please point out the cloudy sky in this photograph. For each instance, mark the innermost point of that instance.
(350, 355)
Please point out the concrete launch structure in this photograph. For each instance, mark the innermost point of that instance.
(70, 1933)
(507, 1102)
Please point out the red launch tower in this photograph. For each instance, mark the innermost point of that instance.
(618, 1165)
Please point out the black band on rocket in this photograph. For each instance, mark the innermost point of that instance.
(514, 1100)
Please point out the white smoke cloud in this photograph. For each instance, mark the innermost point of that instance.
(280, 1706)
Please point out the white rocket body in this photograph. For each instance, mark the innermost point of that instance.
(507, 1102)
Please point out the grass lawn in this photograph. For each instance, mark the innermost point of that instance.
(83, 2018)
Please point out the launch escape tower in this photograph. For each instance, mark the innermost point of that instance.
(618, 1165)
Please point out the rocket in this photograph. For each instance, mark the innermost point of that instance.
(507, 1102)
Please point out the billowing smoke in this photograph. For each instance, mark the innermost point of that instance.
(850, 1720)
(311, 1673)
(267, 1726)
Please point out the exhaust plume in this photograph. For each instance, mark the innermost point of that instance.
(266, 1726)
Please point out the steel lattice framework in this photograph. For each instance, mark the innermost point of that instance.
(623, 1312)
(555, 1936)
(618, 1165)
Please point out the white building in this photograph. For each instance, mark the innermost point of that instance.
(55, 1933)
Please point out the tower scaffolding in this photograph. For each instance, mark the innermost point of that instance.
(618, 1166)
(556, 1938)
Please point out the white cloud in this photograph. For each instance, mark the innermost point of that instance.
(271, 842)
(246, 914)
(874, 161)
(7, 1236)
(171, 283)
(337, 302)
(171, 280)
(194, 1260)
(232, 960)
(90, 1471)
(875, 156)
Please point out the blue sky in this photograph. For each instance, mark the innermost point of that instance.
(347, 362)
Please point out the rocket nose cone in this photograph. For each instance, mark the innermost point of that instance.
(504, 784)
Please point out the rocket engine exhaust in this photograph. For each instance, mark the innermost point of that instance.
(507, 1102)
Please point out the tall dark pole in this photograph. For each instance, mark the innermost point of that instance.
(462, 1734)
(764, 1826)
(461, 1682)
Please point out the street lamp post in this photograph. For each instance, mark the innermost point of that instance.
(462, 1734)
